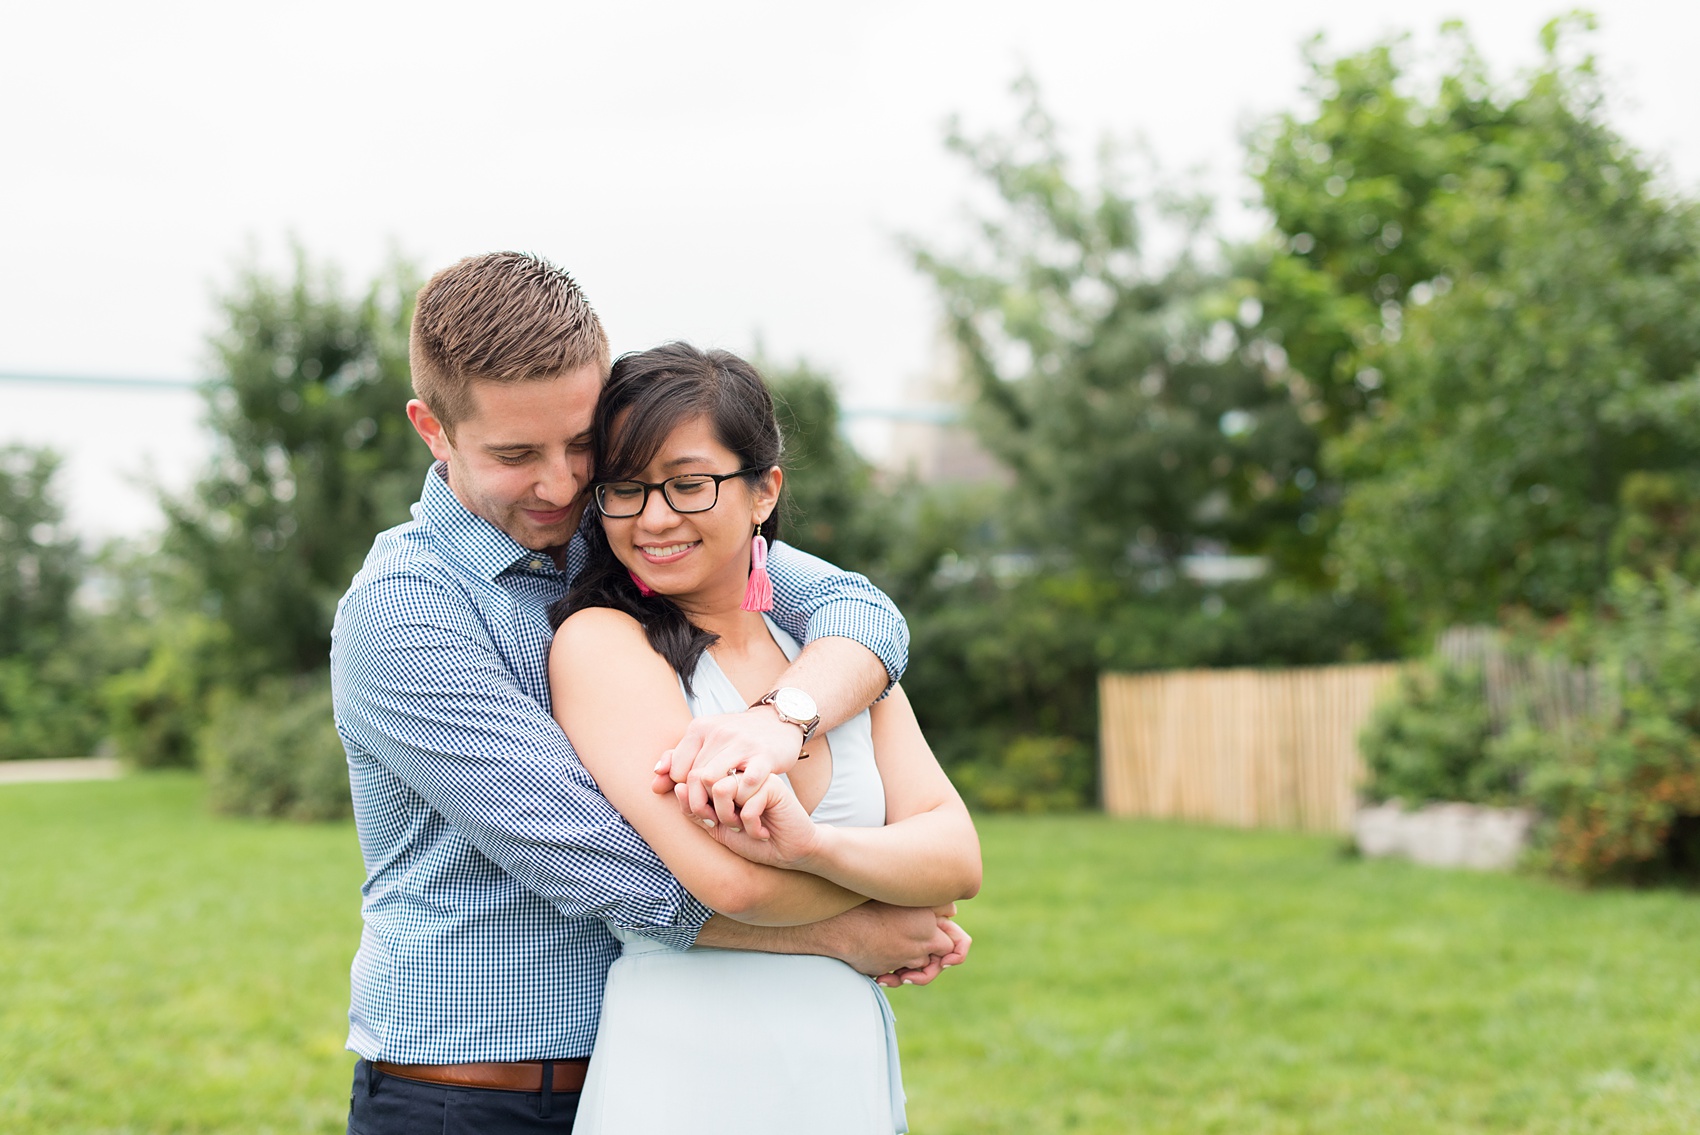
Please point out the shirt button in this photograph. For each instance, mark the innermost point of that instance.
(536, 565)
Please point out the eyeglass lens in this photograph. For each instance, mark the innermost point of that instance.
(686, 493)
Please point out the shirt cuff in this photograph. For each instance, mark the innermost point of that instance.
(682, 933)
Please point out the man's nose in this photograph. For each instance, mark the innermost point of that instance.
(561, 478)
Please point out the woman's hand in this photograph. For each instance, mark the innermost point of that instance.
(772, 828)
(754, 743)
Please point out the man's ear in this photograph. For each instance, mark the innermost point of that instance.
(430, 428)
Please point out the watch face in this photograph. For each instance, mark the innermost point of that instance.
(794, 703)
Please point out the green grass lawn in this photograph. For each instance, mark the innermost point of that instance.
(165, 971)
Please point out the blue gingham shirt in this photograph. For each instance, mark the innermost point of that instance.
(492, 861)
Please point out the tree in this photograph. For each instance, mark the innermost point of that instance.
(1145, 417)
(45, 710)
(832, 507)
(314, 456)
(38, 557)
(1141, 420)
(1487, 300)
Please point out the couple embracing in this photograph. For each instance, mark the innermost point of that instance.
(645, 817)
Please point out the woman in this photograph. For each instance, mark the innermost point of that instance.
(663, 624)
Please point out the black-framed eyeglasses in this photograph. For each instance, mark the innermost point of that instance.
(686, 493)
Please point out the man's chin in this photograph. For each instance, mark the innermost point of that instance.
(544, 537)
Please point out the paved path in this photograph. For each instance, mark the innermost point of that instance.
(88, 768)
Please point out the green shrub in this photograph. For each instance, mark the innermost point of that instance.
(157, 709)
(276, 753)
(45, 710)
(1430, 741)
(1031, 774)
(997, 660)
(1621, 788)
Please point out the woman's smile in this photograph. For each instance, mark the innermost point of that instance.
(667, 553)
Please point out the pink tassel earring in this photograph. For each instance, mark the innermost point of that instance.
(644, 589)
(758, 593)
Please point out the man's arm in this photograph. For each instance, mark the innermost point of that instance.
(815, 602)
(420, 687)
(855, 646)
(896, 945)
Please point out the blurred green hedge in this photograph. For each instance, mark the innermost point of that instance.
(276, 752)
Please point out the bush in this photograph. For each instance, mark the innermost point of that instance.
(276, 753)
(157, 709)
(1431, 741)
(1622, 788)
(45, 711)
(1031, 774)
(1600, 733)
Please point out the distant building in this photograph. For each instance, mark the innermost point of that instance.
(928, 436)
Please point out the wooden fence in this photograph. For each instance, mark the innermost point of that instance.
(1252, 748)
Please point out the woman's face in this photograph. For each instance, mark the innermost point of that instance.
(701, 559)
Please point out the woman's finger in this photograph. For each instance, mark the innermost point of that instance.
(753, 810)
(915, 975)
(723, 797)
(700, 783)
(682, 756)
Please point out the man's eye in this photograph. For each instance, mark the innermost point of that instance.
(686, 486)
(513, 458)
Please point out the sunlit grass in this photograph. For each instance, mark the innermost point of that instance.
(165, 971)
(1145, 977)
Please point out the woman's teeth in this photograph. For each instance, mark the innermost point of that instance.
(665, 550)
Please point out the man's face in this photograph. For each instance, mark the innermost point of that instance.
(521, 459)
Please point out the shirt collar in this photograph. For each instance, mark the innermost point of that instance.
(476, 543)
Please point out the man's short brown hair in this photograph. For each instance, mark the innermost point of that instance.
(500, 317)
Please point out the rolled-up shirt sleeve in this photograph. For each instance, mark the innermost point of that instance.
(422, 690)
(813, 599)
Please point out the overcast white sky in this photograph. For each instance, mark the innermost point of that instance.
(712, 172)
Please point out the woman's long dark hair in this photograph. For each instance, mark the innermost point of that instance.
(655, 392)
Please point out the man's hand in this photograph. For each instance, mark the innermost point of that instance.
(900, 945)
(755, 741)
(895, 945)
(937, 963)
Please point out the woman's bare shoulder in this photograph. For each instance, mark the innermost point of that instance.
(597, 635)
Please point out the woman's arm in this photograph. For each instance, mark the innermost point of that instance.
(927, 854)
(620, 705)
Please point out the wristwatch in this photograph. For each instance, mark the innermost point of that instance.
(794, 707)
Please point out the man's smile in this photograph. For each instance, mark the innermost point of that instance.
(553, 516)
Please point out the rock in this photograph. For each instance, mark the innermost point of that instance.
(1444, 835)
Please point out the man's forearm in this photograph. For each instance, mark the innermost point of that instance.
(843, 676)
(729, 934)
(872, 938)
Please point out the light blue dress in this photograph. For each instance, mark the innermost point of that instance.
(781, 1043)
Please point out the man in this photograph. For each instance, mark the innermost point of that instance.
(491, 859)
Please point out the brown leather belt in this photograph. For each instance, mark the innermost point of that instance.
(519, 1076)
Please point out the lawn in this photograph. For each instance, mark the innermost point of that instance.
(165, 971)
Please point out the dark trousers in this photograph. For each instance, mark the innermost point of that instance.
(389, 1105)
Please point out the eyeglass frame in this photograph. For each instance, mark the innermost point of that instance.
(661, 486)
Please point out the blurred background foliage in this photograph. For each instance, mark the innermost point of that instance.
(1455, 380)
